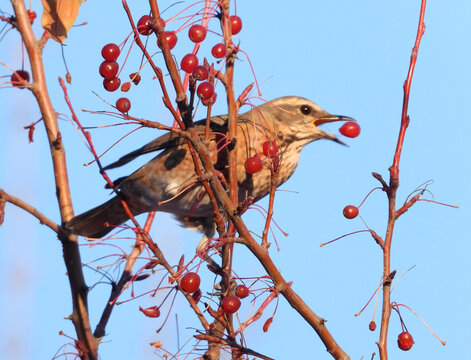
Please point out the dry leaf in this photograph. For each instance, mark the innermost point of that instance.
(59, 16)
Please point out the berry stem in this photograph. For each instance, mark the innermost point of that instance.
(423, 322)
(253, 71)
(371, 298)
(340, 237)
(258, 314)
(366, 197)
(439, 203)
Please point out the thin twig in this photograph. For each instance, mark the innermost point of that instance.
(43, 219)
(392, 190)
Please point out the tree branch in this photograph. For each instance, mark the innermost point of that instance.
(392, 191)
(71, 251)
(43, 219)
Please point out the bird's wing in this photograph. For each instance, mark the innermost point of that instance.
(163, 142)
(169, 140)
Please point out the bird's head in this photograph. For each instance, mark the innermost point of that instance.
(296, 119)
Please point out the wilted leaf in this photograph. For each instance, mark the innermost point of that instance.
(59, 16)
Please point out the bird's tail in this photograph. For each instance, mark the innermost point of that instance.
(99, 221)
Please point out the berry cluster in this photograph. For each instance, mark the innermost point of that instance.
(254, 164)
(146, 25)
(230, 304)
(190, 63)
(191, 281)
(109, 67)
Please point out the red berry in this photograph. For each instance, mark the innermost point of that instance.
(200, 73)
(144, 25)
(190, 282)
(405, 341)
(110, 52)
(189, 62)
(205, 90)
(242, 291)
(270, 149)
(267, 324)
(32, 15)
(20, 78)
(108, 69)
(350, 211)
(171, 37)
(197, 33)
(212, 100)
(152, 311)
(253, 164)
(372, 326)
(219, 50)
(161, 23)
(230, 304)
(236, 24)
(135, 78)
(350, 129)
(111, 84)
(123, 105)
(126, 86)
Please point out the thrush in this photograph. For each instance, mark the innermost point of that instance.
(169, 183)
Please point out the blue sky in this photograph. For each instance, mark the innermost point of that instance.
(349, 57)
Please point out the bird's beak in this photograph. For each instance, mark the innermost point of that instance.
(331, 118)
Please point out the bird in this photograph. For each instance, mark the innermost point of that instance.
(168, 182)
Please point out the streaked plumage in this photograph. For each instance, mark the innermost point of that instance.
(168, 182)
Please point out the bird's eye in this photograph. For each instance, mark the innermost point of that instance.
(306, 109)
